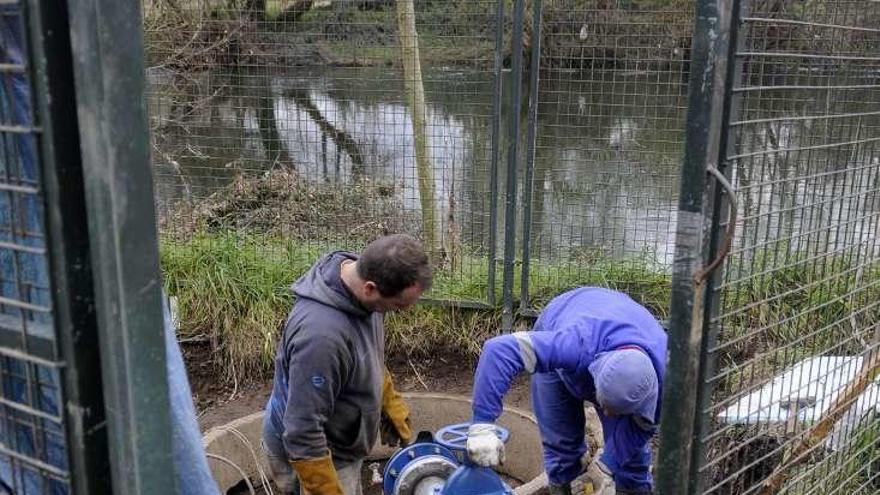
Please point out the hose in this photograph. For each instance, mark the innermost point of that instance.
(264, 479)
(532, 487)
(244, 475)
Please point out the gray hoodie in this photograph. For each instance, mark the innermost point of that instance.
(327, 393)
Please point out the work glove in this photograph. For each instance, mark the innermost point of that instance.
(484, 448)
(318, 476)
(394, 429)
(560, 489)
(599, 480)
(390, 435)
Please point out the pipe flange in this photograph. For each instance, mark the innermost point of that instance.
(427, 456)
(430, 470)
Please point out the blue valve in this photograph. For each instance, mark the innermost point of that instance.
(437, 463)
(475, 480)
(454, 437)
(470, 479)
(396, 470)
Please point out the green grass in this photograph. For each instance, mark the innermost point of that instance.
(791, 306)
(434, 50)
(233, 289)
(860, 470)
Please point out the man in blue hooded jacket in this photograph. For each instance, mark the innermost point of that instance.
(589, 344)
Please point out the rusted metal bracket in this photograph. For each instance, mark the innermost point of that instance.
(703, 274)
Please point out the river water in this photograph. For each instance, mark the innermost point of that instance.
(607, 160)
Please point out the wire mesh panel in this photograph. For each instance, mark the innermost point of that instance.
(793, 405)
(610, 128)
(32, 442)
(306, 126)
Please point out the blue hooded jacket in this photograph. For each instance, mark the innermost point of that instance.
(573, 330)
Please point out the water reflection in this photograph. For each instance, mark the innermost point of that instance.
(606, 168)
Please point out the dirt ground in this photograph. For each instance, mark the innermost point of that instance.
(217, 403)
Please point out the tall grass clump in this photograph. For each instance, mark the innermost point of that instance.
(790, 306)
(234, 292)
(636, 275)
(233, 289)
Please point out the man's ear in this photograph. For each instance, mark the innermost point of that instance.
(370, 288)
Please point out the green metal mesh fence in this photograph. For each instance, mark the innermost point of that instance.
(797, 318)
(603, 184)
(289, 123)
(33, 456)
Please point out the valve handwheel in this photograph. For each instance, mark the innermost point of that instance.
(454, 437)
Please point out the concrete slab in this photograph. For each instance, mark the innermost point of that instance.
(804, 393)
(239, 440)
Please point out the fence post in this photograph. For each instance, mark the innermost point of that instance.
(516, 57)
(706, 94)
(108, 55)
(534, 80)
(727, 145)
(496, 150)
(68, 247)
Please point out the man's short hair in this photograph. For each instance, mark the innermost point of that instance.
(394, 263)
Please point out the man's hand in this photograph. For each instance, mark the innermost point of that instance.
(599, 480)
(394, 428)
(390, 434)
(484, 448)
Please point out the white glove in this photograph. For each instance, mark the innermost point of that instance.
(484, 448)
(600, 477)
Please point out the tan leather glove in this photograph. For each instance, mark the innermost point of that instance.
(318, 476)
(395, 428)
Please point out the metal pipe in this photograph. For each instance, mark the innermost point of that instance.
(427, 485)
(108, 62)
(719, 246)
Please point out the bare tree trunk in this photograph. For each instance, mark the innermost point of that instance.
(415, 95)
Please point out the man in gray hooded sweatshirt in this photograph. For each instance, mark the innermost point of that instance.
(331, 391)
